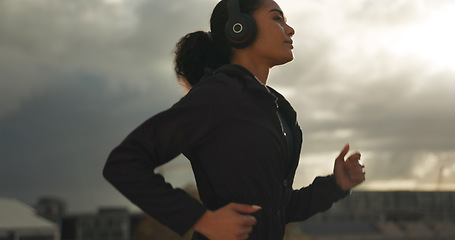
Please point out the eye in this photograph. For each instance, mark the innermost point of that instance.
(278, 18)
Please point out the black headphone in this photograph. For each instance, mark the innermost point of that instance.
(240, 27)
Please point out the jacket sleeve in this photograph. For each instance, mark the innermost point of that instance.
(317, 197)
(130, 166)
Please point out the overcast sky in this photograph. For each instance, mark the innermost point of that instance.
(77, 76)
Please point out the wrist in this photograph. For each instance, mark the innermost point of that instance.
(338, 188)
(201, 223)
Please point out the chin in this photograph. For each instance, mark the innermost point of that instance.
(291, 58)
(285, 60)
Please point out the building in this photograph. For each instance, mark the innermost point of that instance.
(107, 224)
(19, 221)
(115, 224)
(399, 215)
(392, 206)
(51, 208)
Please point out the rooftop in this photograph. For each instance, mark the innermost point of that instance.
(17, 215)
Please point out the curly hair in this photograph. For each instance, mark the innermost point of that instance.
(200, 51)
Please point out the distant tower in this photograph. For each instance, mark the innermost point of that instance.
(440, 176)
(51, 208)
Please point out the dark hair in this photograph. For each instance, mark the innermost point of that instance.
(200, 51)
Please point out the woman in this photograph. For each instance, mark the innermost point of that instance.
(241, 136)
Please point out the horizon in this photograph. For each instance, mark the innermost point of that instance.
(77, 77)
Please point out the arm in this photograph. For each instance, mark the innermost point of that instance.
(324, 191)
(317, 197)
(130, 169)
(130, 166)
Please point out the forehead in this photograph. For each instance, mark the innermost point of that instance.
(269, 5)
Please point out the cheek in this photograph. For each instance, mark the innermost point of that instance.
(269, 30)
(272, 38)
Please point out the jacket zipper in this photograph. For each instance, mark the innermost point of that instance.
(286, 157)
(281, 123)
(282, 131)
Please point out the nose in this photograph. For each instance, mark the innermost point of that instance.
(289, 30)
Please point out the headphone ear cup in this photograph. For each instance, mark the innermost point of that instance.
(241, 30)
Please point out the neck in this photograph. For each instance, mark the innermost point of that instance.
(260, 71)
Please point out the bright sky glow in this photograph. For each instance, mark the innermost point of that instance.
(113, 1)
(432, 39)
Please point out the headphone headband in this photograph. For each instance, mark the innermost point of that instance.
(240, 28)
(233, 7)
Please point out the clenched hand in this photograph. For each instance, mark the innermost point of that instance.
(350, 172)
(231, 222)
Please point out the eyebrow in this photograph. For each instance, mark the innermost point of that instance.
(279, 11)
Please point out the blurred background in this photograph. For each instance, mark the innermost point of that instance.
(77, 76)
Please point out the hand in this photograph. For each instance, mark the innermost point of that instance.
(232, 221)
(349, 173)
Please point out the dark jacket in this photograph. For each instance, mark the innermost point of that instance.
(229, 128)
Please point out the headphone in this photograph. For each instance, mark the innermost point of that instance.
(240, 28)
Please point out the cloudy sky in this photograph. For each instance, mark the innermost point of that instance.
(77, 76)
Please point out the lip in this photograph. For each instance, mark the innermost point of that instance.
(290, 42)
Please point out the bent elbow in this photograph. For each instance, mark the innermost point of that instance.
(108, 172)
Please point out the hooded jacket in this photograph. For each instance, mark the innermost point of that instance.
(232, 130)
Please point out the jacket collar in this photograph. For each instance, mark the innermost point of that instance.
(236, 70)
(250, 80)
(253, 83)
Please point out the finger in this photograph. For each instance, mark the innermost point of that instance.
(359, 174)
(355, 156)
(243, 236)
(354, 167)
(343, 152)
(358, 178)
(244, 233)
(354, 161)
(244, 208)
(354, 171)
(248, 229)
(248, 220)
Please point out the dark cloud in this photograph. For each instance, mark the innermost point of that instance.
(58, 141)
(77, 76)
(130, 43)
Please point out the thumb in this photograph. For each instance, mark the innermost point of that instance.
(244, 208)
(343, 153)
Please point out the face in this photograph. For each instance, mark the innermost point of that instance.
(273, 44)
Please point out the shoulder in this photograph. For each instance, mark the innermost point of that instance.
(221, 81)
(216, 87)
